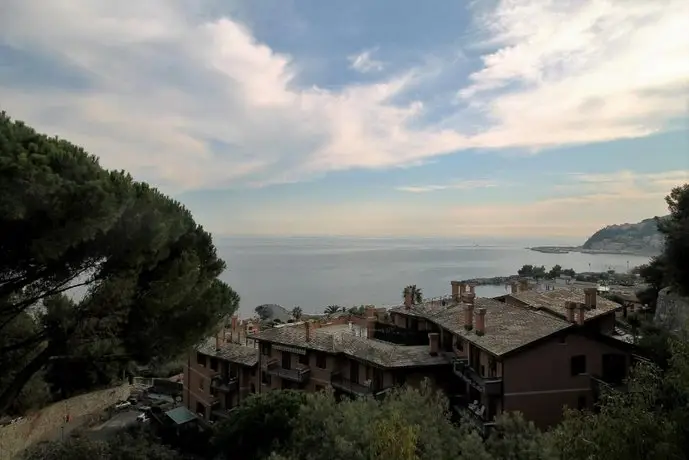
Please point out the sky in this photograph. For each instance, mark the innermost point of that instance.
(368, 118)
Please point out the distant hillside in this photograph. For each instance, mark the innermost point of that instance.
(641, 238)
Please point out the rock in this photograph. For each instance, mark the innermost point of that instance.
(672, 310)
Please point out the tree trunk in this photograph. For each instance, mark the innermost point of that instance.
(11, 392)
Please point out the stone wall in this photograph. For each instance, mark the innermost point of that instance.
(42, 425)
(672, 310)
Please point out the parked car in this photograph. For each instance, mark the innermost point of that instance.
(123, 405)
(142, 417)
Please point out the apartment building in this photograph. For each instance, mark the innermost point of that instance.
(526, 351)
(221, 372)
(343, 355)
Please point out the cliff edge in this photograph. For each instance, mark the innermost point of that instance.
(641, 238)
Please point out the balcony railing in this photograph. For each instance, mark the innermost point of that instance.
(340, 382)
(491, 386)
(299, 375)
(472, 412)
(225, 384)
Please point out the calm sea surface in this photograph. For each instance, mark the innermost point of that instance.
(315, 272)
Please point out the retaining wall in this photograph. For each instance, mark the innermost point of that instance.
(42, 425)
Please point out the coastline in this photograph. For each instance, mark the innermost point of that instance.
(568, 249)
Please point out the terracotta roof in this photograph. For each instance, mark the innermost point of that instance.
(233, 352)
(507, 328)
(339, 339)
(554, 301)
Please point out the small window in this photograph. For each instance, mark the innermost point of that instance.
(214, 364)
(201, 359)
(304, 359)
(578, 365)
(200, 409)
(201, 384)
(562, 339)
(265, 378)
(253, 371)
(320, 388)
(253, 388)
(321, 361)
(459, 344)
(581, 402)
(265, 349)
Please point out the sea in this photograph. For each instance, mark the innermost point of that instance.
(314, 272)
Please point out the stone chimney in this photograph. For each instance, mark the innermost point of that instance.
(481, 321)
(370, 312)
(571, 308)
(433, 343)
(472, 289)
(370, 327)
(455, 290)
(590, 297)
(219, 339)
(462, 288)
(307, 328)
(523, 285)
(469, 316)
(234, 322)
(581, 313)
(514, 287)
(407, 300)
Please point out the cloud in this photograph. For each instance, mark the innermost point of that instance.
(591, 71)
(364, 63)
(593, 202)
(466, 185)
(189, 99)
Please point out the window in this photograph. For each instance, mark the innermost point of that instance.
(201, 359)
(253, 388)
(581, 402)
(265, 349)
(200, 409)
(459, 344)
(562, 338)
(321, 361)
(304, 359)
(320, 388)
(201, 383)
(253, 371)
(265, 378)
(214, 364)
(578, 365)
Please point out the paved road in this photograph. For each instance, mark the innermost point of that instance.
(112, 426)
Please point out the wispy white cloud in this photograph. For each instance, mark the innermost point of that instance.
(364, 62)
(465, 185)
(189, 100)
(591, 71)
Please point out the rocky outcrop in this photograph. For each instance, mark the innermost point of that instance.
(642, 238)
(672, 310)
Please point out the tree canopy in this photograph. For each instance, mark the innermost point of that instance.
(146, 270)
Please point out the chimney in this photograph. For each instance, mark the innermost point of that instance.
(571, 307)
(235, 319)
(370, 312)
(307, 328)
(581, 317)
(218, 339)
(523, 285)
(468, 297)
(472, 289)
(407, 300)
(455, 290)
(370, 327)
(462, 288)
(514, 287)
(433, 343)
(481, 321)
(590, 297)
(469, 316)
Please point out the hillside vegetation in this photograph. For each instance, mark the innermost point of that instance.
(640, 238)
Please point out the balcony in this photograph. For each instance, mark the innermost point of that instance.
(601, 387)
(473, 413)
(339, 382)
(299, 375)
(492, 386)
(225, 384)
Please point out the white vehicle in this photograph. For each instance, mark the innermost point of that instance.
(123, 405)
(142, 418)
(144, 408)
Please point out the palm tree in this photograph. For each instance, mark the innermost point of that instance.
(416, 294)
(332, 309)
(297, 313)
